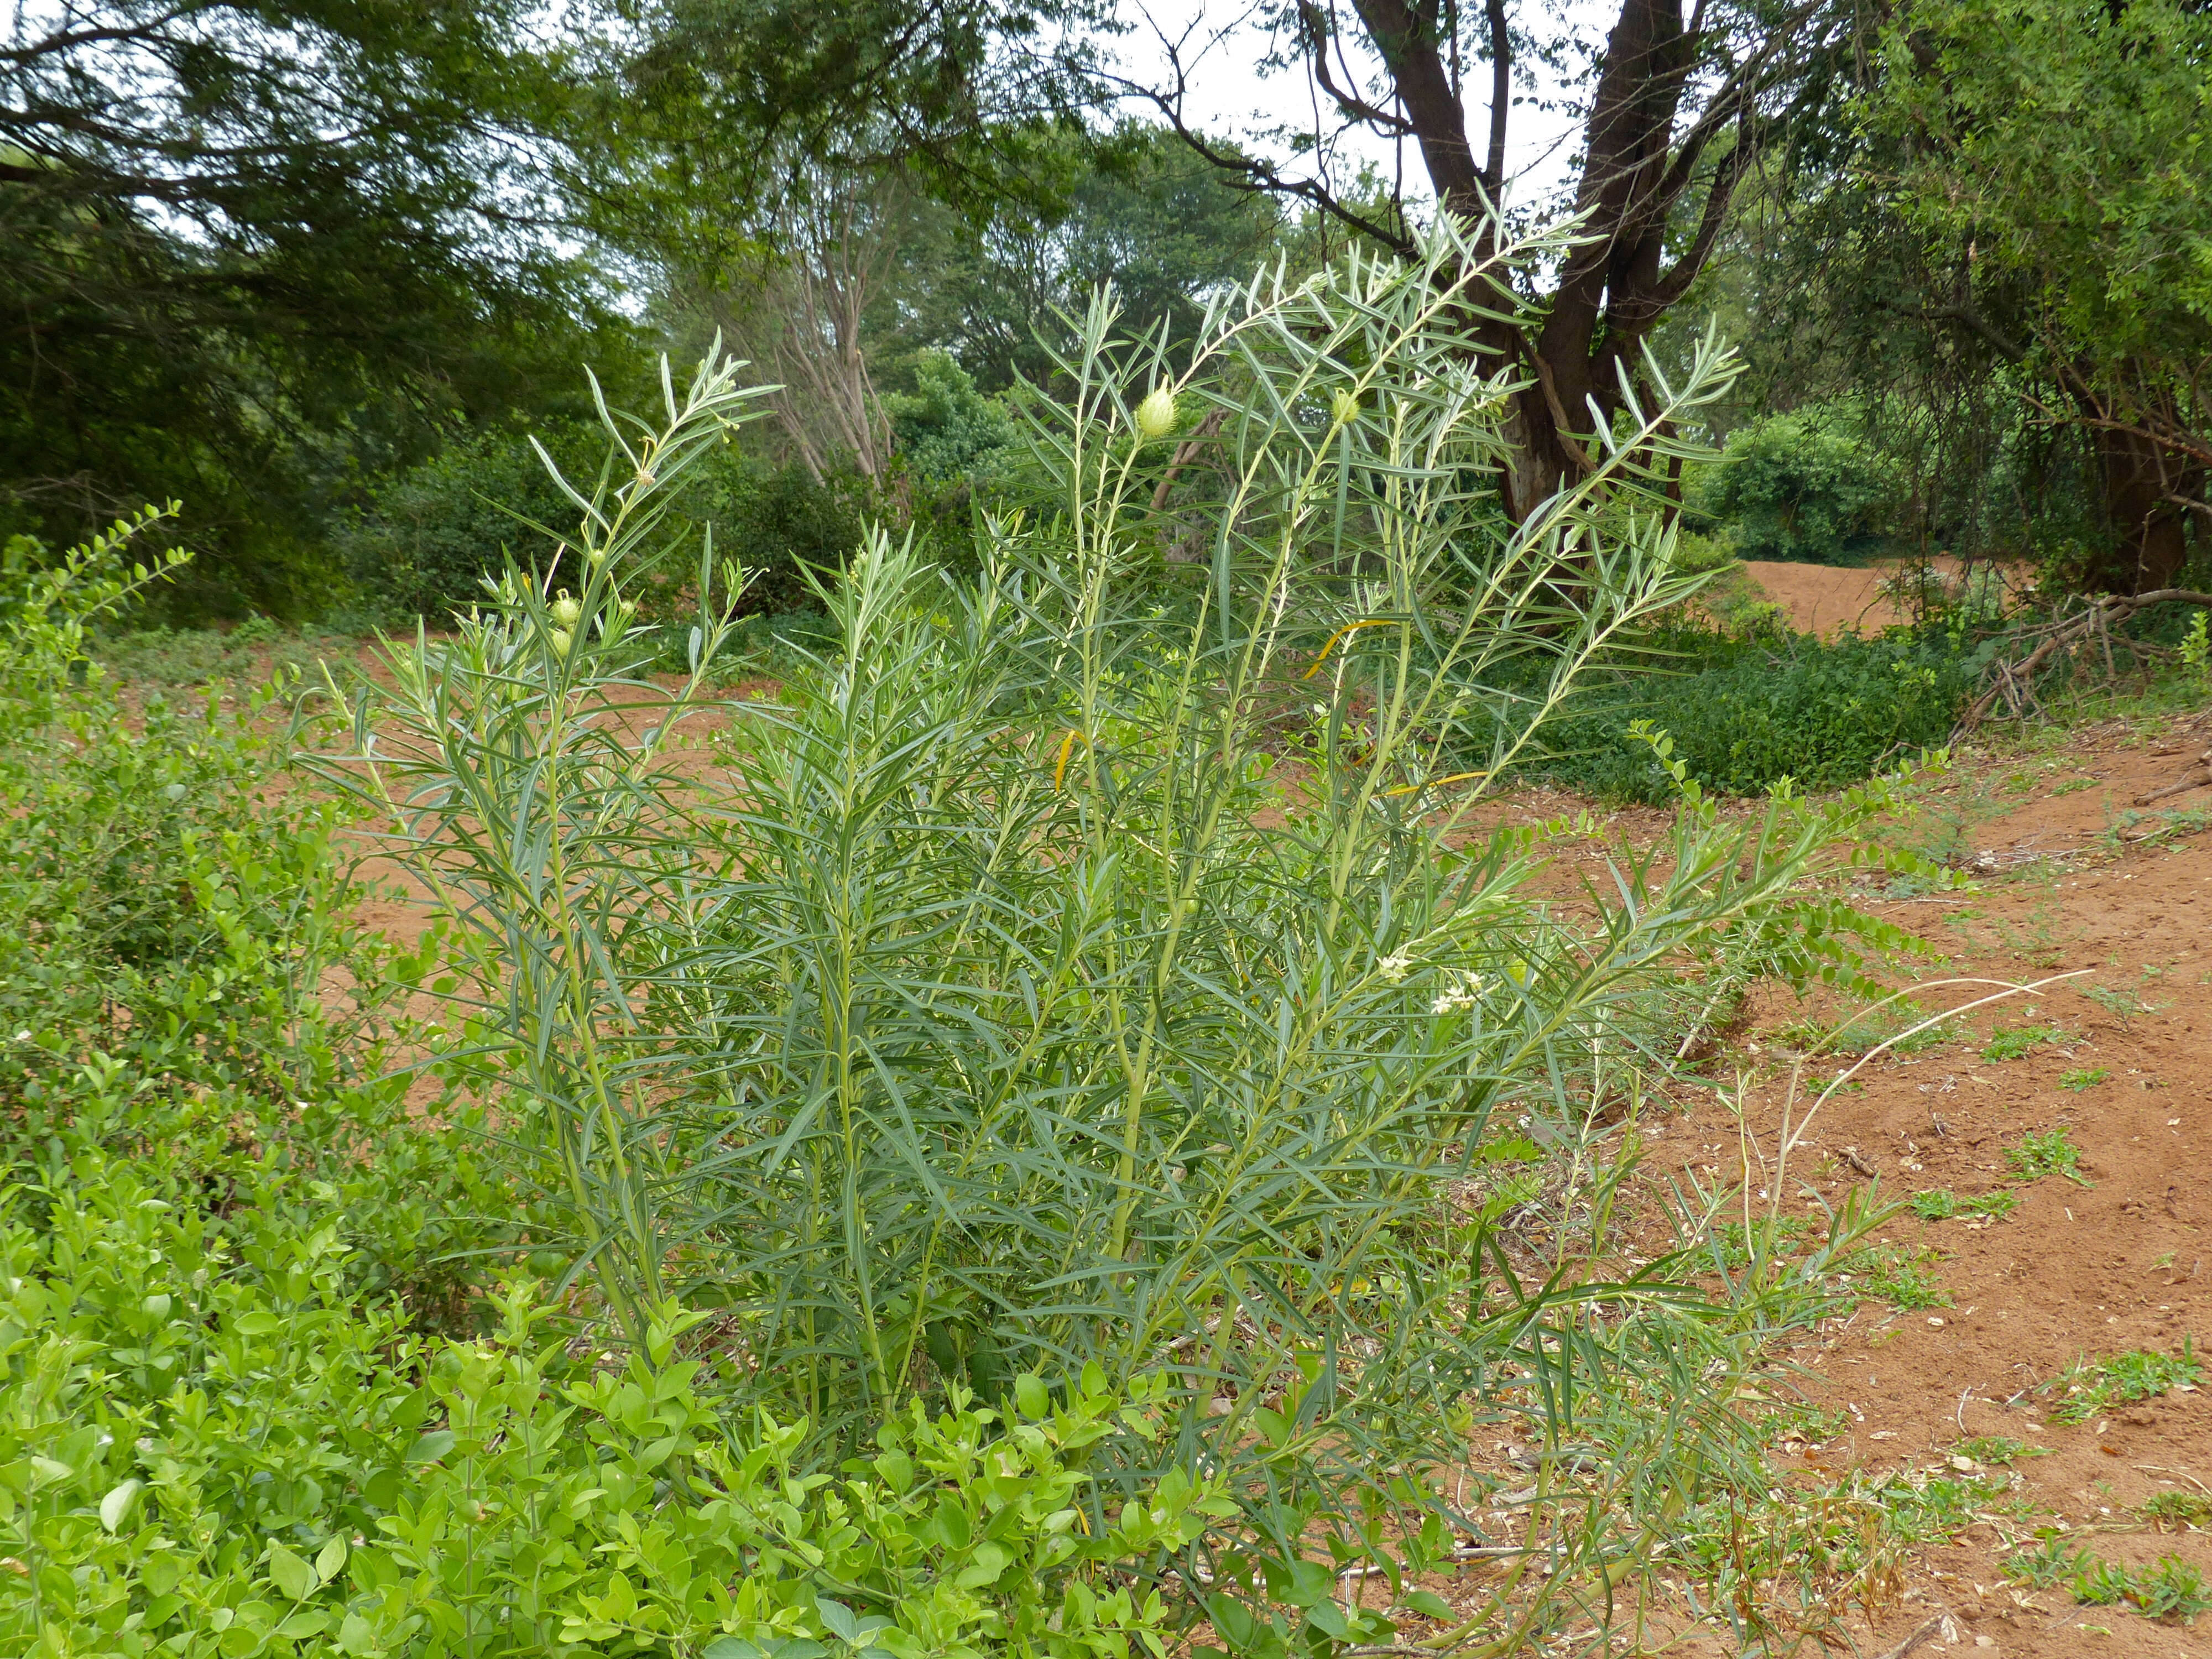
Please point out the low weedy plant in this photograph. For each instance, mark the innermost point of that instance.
(1941, 1204)
(986, 1012)
(2083, 1080)
(2174, 1589)
(2016, 1042)
(2089, 1386)
(2173, 1511)
(2000, 1450)
(2052, 1562)
(1898, 1027)
(2047, 1151)
(1904, 1279)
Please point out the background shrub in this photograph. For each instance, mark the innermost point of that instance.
(1747, 711)
(1801, 486)
(427, 539)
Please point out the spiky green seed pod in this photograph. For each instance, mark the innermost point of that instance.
(1156, 415)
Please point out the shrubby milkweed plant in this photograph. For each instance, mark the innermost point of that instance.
(995, 1004)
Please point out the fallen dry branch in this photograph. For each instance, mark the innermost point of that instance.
(2198, 776)
(2012, 680)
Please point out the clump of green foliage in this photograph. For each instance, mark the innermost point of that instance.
(1748, 711)
(2174, 1589)
(2016, 1042)
(1904, 1278)
(166, 940)
(2089, 1386)
(212, 1446)
(1998, 1449)
(427, 540)
(246, 1403)
(2046, 1151)
(992, 1026)
(1801, 486)
(2178, 1509)
(2050, 1562)
(1941, 1204)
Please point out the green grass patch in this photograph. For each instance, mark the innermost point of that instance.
(2087, 1388)
(1941, 1204)
(2016, 1042)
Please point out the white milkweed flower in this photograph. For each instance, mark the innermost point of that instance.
(1156, 415)
(1395, 968)
(1461, 990)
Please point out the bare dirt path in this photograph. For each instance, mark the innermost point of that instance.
(2116, 1259)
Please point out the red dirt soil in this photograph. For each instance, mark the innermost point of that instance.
(1819, 598)
(2124, 1262)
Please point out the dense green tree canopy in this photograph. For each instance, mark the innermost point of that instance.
(2054, 161)
(246, 247)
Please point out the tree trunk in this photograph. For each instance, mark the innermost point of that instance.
(2135, 482)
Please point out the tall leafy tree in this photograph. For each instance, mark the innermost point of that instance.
(2048, 165)
(1677, 105)
(242, 243)
(1138, 210)
(713, 111)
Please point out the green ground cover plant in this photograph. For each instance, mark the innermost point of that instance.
(2016, 1042)
(1941, 1204)
(1749, 710)
(2052, 1562)
(2089, 1387)
(2171, 1588)
(2047, 1151)
(2176, 1510)
(1904, 1278)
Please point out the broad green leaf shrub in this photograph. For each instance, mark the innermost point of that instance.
(181, 981)
(428, 539)
(210, 1445)
(1746, 711)
(223, 1429)
(1799, 487)
(424, 538)
(988, 1005)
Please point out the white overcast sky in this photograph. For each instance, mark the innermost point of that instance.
(1230, 95)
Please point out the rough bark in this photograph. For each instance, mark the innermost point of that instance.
(1674, 116)
(2149, 533)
